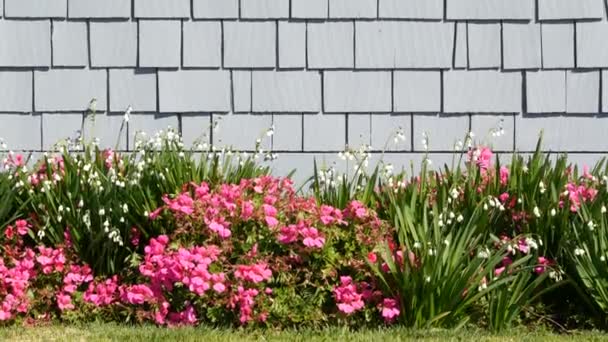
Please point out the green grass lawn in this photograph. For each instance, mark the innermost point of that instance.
(112, 332)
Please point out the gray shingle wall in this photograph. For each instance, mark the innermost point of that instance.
(326, 73)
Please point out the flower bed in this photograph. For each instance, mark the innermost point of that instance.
(164, 237)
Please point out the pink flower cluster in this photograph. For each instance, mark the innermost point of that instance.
(102, 293)
(310, 236)
(482, 157)
(253, 273)
(348, 297)
(578, 194)
(51, 260)
(76, 276)
(15, 280)
(21, 226)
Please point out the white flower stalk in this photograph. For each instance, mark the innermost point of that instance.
(127, 115)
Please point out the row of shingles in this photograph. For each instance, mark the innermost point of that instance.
(320, 9)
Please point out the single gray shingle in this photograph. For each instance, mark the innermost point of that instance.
(484, 45)
(265, 9)
(132, 87)
(16, 91)
(330, 45)
(417, 91)
(106, 129)
(313, 9)
(35, 8)
(357, 92)
(591, 47)
(324, 132)
(196, 129)
(404, 44)
(522, 48)
(69, 89)
(287, 132)
(582, 92)
(149, 124)
(490, 9)
(202, 44)
(70, 43)
(359, 130)
(385, 129)
(353, 8)
(113, 44)
(461, 49)
(570, 9)
(159, 43)
(483, 91)
(241, 91)
(546, 92)
(561, 133)
(286, 91)
(604, 91)
(249, 44)
(411, 9)
(194, 91)
(25, 43)
(558, 45)
(240, 131)
(215, 9)
(292, 45)
(60, 127)
(442, 132)
(484, 125)
(162, 8)
(99, 9)
(15, 125)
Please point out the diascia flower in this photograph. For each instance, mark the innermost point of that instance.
(390, 309)
(312, 238)
(254, 273)
(347, 297)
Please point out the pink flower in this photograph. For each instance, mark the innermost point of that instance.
(254, 273)
(219, 287)
(390, 309)
(246, 210)
(542, 265)
(182, 204)
(356, 209)
(288, 234)
(504, 175)
(271, 221)
(504, 197)
(64, 302)
(347, 297)
(523, 247)
(5, 315)
(136, 294)
(371, 256)
(222, 231)
(312, 238)
(482, 157)
(154, 215)
(22, 227)
(9, 232)
(202, 190)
